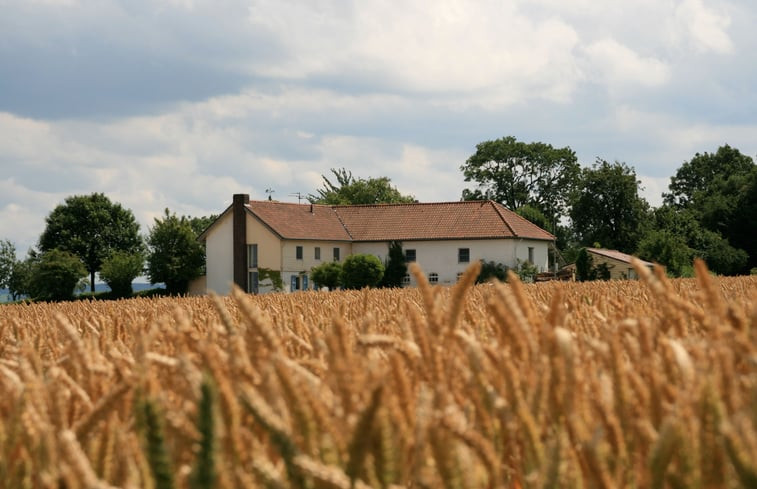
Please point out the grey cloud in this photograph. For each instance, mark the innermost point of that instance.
(113, 59)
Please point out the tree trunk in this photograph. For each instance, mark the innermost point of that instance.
(92, 281)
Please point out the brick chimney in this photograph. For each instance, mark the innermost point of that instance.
(240, 239)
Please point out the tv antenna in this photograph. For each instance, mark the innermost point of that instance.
(299, 196)
(270, 192)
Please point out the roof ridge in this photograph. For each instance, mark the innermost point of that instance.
(341, 221)
(607, 252)
(499, 213)
(398, 204)
(278, 202)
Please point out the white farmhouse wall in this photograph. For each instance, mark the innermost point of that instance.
(379, 249)
(291, 266)
(269, 244)
(219, 248)
(441, 257)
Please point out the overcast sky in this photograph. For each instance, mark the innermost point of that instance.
(180, 103)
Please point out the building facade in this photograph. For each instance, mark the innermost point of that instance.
(263, 246)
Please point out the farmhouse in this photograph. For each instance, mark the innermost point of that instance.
(260, 245)
(617, 262)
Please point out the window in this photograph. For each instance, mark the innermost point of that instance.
(463, 255)
(298, 252)
(531, 255)
(433, 278)
(409, 255)
(253, 283)
(336, 254)
(406, 279)
(317, 252)
(459, 276)
(252, 256)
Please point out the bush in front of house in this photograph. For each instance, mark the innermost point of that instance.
(361, 270)
(327, 275)
(491, 270)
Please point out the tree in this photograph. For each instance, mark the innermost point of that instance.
(201, 223)
(669, 249)
(327, 274)
(682, 227)
(91, 227)
(704, 173)
(55, 275)
(719, 190)
(175, 256)
(7, 261)
(361, 270)
(119, 270)
(351, 191)
(396, 266)
(20, 278)
(491, 270)
(585, 266)
(607, 209)
(515, 174)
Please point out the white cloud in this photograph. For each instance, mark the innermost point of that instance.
(482, 49)
(704, 27)
(615, 64)
(653, 188)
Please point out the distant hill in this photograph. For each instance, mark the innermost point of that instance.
(137, 287)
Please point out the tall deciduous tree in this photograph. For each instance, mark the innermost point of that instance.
(175, 256)
(92, 228)
(676, 236)
(7, 262)
(348, 190)
(704, 175)
(607, 208)
(719, 191)
(515, 174)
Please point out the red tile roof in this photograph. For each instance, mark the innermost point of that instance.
(297, 221)
(386, 222)
(616, 255)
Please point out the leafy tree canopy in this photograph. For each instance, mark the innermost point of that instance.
(119, 270)
(175, 256)
(20, 278)
(7, 262)
(515, 174)
(91, 227)
(327, 274)
(347, 190)
(201, 223)
(668, 249)
(361, 270)
(712, 206)
(491, 270)
(607, 208)
(55, 275)
(705, 174)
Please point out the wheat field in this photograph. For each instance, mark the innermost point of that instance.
(649, 383)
